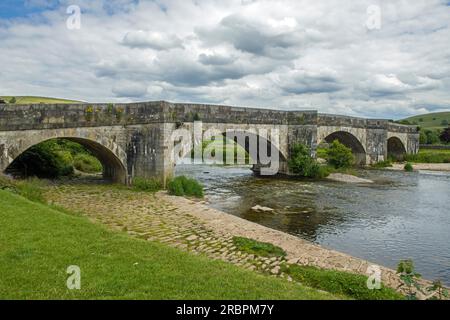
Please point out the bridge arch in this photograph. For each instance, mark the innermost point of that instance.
(350, 141)
(112, 159)
(245, 139)
(396, 149)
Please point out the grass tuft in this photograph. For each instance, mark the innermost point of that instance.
(258, 248)
(184, 186)
(147, 185)
(340, 283)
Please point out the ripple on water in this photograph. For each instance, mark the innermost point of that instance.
(400, 216)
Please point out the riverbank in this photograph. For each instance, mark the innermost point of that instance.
(422, 166)
(39, 243)
(192, 226)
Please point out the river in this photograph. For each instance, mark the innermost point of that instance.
(401, 216)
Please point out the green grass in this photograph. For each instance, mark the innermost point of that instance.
(184, 186)
(430, 121)
(147, 185)
(258, 248)
(408, 167)
(39, 243)
(429, 156)
(339, 283)
(31, 189)
(36, 100)
(382, 164)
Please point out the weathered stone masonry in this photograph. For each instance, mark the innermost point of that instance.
(134, 139)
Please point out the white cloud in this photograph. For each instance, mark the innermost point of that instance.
(150, 39)
(285, 54)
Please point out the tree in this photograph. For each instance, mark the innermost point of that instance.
(432, 137)
(339, 155)
(302, 164)
(13, 100)
(423, 137)
(444, 123)
(445, 135)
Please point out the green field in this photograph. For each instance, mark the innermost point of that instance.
(36, 100)
(429, 156)
(38, 243)
(431, 121)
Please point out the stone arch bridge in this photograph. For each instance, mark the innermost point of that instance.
(136, 139)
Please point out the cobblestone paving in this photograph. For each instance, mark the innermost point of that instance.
(154, 218)
(192, 226)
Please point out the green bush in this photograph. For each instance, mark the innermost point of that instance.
(13, 100)
(409, 167)
(147, 185)
(258, 248)
(183, 186)
(303, 165)
(87, 163)
(339, 155)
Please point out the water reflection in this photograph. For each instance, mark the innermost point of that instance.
(402, 215)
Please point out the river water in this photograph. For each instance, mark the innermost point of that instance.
(401, 216)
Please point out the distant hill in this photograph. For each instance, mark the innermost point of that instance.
(431, 121)
(36, 100)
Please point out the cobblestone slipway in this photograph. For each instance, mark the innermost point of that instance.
(192, 226)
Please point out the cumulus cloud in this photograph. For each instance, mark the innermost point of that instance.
(150, 39)
(288, 54)
(129, 89)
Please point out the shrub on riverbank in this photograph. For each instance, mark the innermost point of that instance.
(303, 165)
(184, 186)
(338, 282)
(147, 185)
(339, 156)
(258, 248)
(409, 167)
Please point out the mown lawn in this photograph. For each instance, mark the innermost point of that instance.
(38, 243)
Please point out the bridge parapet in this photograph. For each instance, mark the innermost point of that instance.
(402, 128)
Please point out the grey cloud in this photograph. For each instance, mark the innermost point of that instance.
(304, 82)
(129, 90)
(215, 59)
(249, 36)
(151, 39)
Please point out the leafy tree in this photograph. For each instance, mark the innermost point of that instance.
(445, 135)
(432, 137)
(303, 165)
(13, 100)
(339, 155)
(423, 139)
(44, 161)
(444, 123)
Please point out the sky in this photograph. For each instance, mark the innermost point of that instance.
(370, 58)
